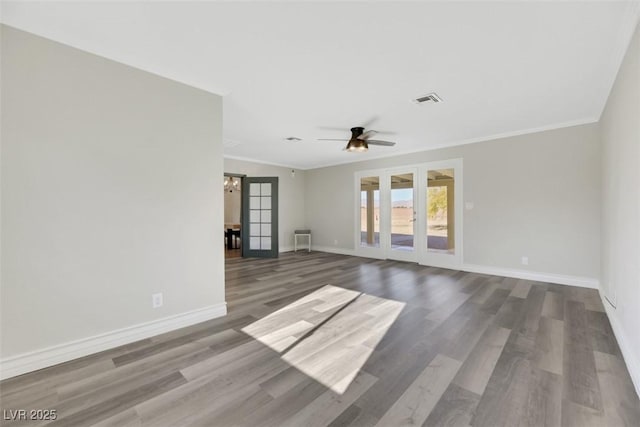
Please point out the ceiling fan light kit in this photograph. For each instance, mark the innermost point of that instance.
(359, 142)
(357, 145)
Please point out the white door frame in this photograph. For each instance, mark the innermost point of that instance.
(436, 259)
(385, 219)
(367, 251)
(420, 253)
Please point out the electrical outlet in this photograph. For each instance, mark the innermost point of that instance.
(525, 260)
(468, 205)
(156, 300)
(335, 242)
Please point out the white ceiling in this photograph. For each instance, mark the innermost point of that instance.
(301, 69)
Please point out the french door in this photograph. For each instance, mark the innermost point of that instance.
(386, 214)
(411, 213)
(260, 217)
(399, 213)
(441, 217)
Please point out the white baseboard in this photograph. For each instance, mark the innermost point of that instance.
(630, 359)
(560, 279)
(334, 250)
(34, 360)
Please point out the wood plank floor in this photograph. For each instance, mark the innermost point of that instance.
(315, 339)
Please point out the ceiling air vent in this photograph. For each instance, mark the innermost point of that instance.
(432, 97)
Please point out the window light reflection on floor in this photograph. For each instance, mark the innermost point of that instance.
(328, 334)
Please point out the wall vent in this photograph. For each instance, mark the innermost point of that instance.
(431, 97)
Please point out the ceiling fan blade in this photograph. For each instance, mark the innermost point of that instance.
(369, 122)
(379, 142)
(333, 128)
(330, 139)
(368, 134)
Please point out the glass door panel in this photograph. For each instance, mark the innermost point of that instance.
(440, 211)
(260, 218)
(370, 212)
(399, 214)
(442, 216)
(402, 212)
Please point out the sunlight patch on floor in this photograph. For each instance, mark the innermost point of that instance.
(328, 334)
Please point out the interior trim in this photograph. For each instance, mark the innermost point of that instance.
(560, 279)
(39, 359)
(630, 359)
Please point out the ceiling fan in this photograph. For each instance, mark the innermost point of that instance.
(360, 141)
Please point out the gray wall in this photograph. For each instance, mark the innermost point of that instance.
(536, 195)
(111, 191)
(620, 127)
(291, 193)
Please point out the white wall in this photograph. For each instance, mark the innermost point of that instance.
(291, 193)
(536, 195)
(620, 130)
(110, 192)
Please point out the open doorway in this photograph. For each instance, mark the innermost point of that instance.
(233, 215)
